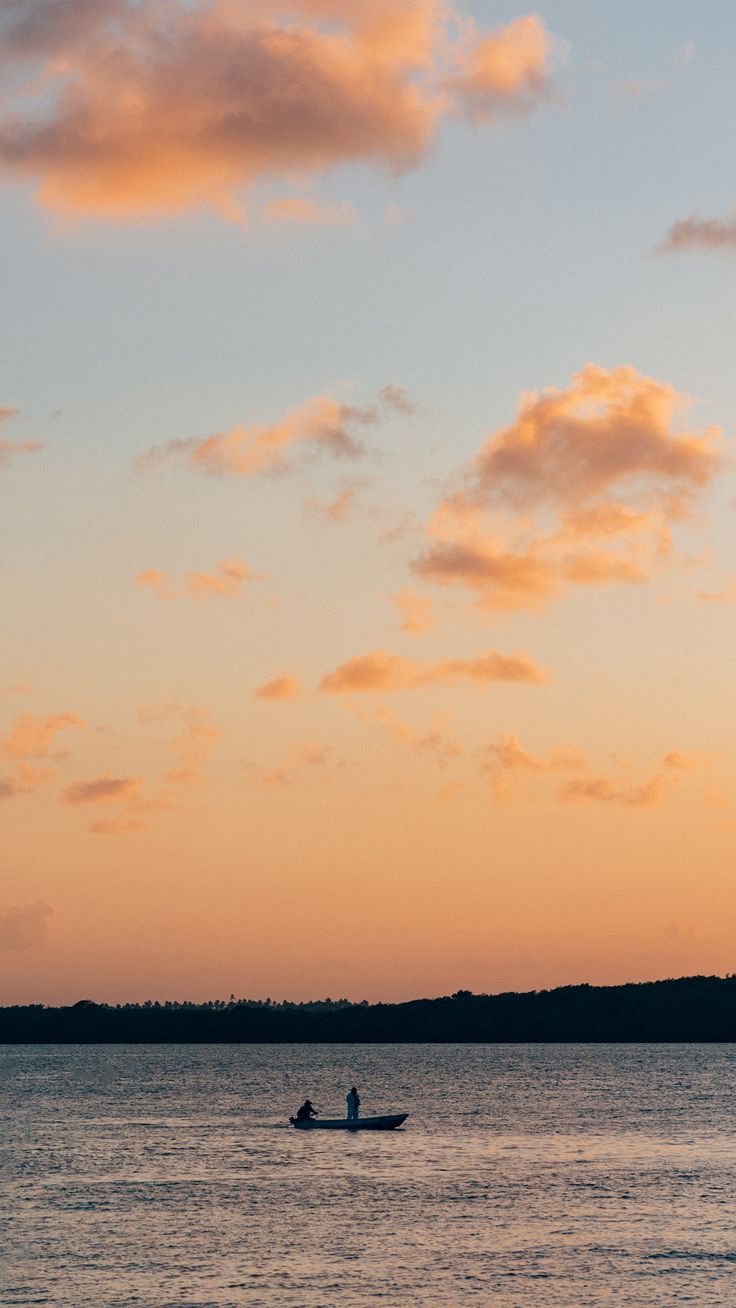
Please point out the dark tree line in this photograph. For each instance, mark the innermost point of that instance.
(699, 1008)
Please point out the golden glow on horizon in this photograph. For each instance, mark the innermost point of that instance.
(328, 670)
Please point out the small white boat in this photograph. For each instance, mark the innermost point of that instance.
(388, 1122)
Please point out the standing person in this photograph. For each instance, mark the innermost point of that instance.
(352, 1099)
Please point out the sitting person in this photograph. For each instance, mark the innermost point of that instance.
(306, 1111)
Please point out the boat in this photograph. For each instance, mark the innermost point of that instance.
(388, 1122)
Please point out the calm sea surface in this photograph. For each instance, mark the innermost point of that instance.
(533, 1174)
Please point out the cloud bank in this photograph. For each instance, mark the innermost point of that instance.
(166, 106)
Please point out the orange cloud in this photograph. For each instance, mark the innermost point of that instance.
(24, 926)
(8, 449)
(434, 741)
(30, 778)
(581, 489)
(158, 582)
(342, 507)
(386, 672)
(279, 688)
(33, 737)
(700, 234)
(103, 790)
(504, 71)
(604, 790)
(509, 754)
(167, 106)
(682, 762)
(229, 578)
(416, 611)
(9, 788)
(319, 425)
(296, 209)
(726, 595)
(607, 429)
(395, 397)
(508, 764)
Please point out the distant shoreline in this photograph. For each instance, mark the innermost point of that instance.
(688, 1010)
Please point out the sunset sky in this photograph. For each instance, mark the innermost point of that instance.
(367, 399)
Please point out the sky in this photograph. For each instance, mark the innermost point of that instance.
(366, 466)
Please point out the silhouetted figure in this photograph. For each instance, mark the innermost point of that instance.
(306, 1111)
(353, 1102)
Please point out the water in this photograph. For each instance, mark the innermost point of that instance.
(526, 1175)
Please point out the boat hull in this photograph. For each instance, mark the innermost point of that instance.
(385, 1123)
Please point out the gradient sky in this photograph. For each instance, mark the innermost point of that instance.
(366, 457)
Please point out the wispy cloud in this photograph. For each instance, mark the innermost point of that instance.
(434, 741)
(632, 90)
(417, 611)
(395, 397)
(279, 688)
(9, 449)
(157, 581)
(192, 744)
(228, 580)
(708, 234)
(605, 790)
(302, 755)
(342, 506)
(509, 755)
(320, 425)
(682, 762)
(381, 671)
(515, 771)
(34, 737)
(505, 759)
(293, 209)
(102, 790)
(726, 595)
